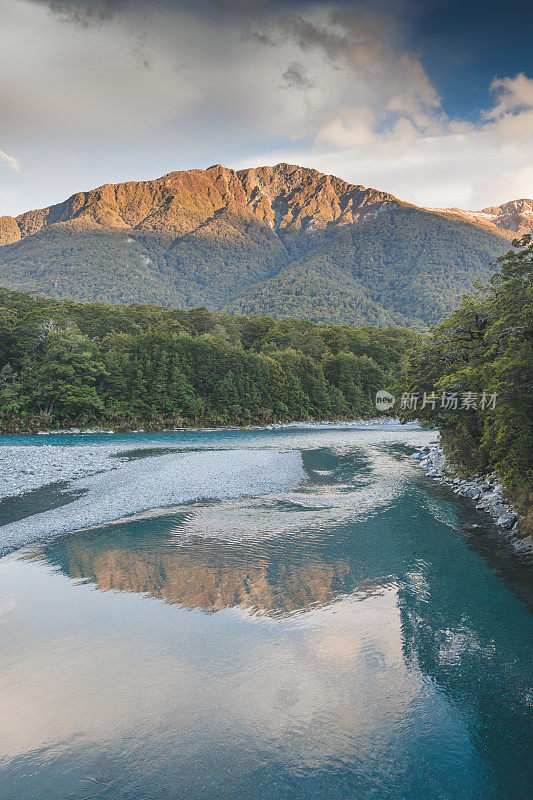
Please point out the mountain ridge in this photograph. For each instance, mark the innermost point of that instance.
(110, 205)
(279, 240)
(513, 219)
(262, 191)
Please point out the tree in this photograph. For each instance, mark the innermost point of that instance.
(69, 363)
(63, 373)
(485, 347)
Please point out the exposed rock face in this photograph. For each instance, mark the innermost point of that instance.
(295, 198)
(9, 230)
(285, 197)
(513, 219)
(282, 241)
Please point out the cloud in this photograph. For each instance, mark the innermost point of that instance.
(113, 68)
(367, 86)
(514, 95)
(9, 161)
(294, 77)
(426, 157)
(140, 55)
(84, 15)
(133, 89)
(434, 162)
(112, 79)
(352, 127)
(340, 34)
(512, 115)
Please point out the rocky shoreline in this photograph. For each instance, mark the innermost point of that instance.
(485, 490)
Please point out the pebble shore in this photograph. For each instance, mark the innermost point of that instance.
(485, 490)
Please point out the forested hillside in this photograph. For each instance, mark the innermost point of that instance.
(280, 241)
(402, 267)
(484, 348)
(64, 364)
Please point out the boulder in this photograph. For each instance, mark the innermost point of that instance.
(507, 520)
(497, 510)
(489, 497)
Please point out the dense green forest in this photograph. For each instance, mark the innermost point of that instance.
(404, 266)
(64, 364)
(484, 347)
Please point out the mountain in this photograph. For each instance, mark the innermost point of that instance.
(282, 241)
(512, 219)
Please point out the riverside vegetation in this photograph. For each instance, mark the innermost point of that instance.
(486, 344)
(65, 363)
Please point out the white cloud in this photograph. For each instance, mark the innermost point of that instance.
(514, 94)
(182, 85)
(9, 161)
(467, 170)
(512, 115)
(425, 157)
(352, 127)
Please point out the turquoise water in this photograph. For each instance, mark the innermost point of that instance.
(347, 635)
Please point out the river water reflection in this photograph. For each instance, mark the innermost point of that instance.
(350, 638)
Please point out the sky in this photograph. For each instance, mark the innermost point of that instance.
(431, 100)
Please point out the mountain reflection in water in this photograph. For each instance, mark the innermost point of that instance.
(269, 555)
(352, 638)
(147, 557)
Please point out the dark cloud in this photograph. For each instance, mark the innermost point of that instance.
(86, 14)
(141, 57)
(294, 77)
(241, 5)
(308, 35)
(344, 32)
(348, 35)
(258, 36)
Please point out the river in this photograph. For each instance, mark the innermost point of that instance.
(278, 614)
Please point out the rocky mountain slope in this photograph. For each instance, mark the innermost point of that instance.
(286, 199)
(512, 220)
(281, 240)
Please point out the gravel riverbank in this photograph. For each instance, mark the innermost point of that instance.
(484, 490)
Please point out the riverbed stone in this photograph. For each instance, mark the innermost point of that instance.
(507, 520)
(490, 497)
(497, 510)
(485, 490)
